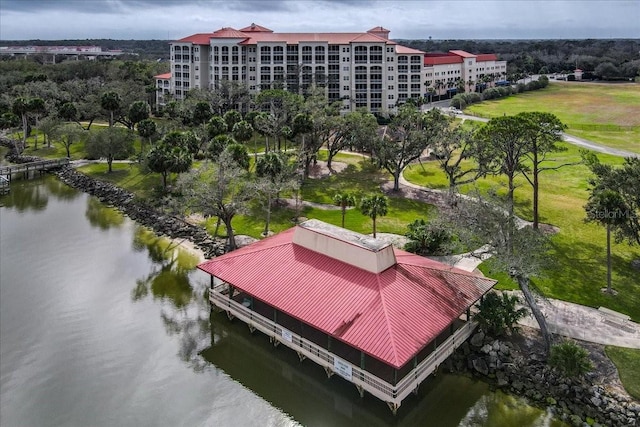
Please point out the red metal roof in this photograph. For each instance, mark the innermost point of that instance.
(165, 76)
(444, 59)
(390, 315)
(486, 57)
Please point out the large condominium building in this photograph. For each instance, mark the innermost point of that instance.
(358, 69)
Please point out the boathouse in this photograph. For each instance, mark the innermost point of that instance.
(379, 317)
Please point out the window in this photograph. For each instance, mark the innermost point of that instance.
(345, 87)
(375, 54)
(389, 68)
(265, 54)
(390, 87)
(319, 52)
(278, 54)
(307, 54)
(391, 96)
(360, 54)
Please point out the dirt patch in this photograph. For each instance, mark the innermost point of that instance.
(320, 170)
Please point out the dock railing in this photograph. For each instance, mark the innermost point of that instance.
(379, 388)
(32, 166)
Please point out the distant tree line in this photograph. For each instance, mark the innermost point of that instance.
(617, 58)
(602, 58)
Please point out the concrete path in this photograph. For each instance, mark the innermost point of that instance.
(580, 142)
(584, 323)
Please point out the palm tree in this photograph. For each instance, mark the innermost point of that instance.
(344, 200)
(470, 83)
(450, 85)
(374, 206)
(439, 84)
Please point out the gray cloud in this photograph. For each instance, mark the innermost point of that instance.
(453, 19)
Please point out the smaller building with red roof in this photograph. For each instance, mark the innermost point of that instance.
(379, 317)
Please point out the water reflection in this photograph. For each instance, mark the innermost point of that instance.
(61, 190)
(499, 409)
(26, 195)
(101, 216)
(185, 311)
(304, 391)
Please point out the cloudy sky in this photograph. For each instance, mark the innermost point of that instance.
(407, 19)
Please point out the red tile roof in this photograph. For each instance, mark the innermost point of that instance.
(228, 33)
(253, 28)
(463, 54)
(165, 76)
(200, 38)
(407, 50)
(378, 29)
(390, 315)
(256, 33)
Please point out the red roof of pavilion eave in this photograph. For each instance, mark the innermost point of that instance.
(390, 315)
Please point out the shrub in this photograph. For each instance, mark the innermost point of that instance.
(570, 359)
(498, 314)
(428, 238)
(458, 102)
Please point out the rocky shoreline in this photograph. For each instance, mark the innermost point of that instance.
(522, 370)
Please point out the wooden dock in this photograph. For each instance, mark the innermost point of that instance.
(42, 166)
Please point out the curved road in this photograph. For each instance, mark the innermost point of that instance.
(580, 142)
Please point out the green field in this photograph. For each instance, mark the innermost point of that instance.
(579, 248)
(608, 114)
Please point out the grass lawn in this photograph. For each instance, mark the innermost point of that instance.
(605, 113)
(361, 179)
(578, 249)
(627, 360)
(128, 176)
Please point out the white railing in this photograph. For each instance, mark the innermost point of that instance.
(379, 388)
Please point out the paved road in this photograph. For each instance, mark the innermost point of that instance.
(580, 142)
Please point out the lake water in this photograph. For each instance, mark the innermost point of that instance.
(102, 324)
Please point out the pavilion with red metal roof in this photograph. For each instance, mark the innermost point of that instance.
(377, 316)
